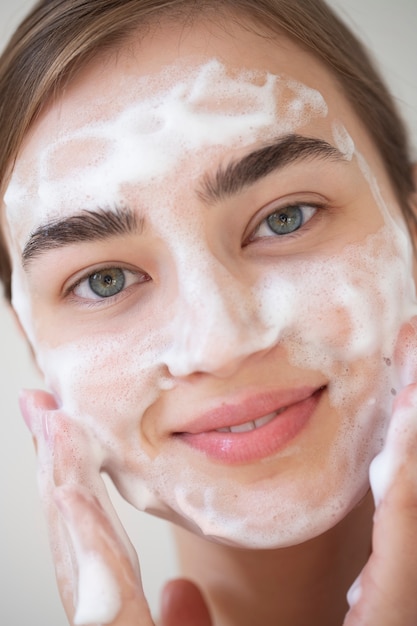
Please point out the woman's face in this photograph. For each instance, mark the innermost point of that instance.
(212, 269)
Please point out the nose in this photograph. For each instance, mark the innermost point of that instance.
(216, 325)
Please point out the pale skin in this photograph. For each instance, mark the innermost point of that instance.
(237, 584)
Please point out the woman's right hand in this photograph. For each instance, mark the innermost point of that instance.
(96, 565)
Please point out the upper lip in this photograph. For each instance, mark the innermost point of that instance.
(250, 408)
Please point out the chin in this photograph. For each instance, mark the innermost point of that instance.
(258, 517)
(296, 525)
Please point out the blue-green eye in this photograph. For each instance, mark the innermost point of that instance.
(107, 282)
(285, 220)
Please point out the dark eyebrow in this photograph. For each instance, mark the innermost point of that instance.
(256, 165)
(104, 223)
(84, 226)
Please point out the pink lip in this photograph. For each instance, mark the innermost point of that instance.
(297, 406)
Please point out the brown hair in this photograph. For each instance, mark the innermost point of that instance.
(60, 36)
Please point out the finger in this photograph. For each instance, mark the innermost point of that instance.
(35, 406)
(183, 605)
(31, 400)
(109, 588)
(67, 453)
(68, 460)
(386, 593)
(63, 445)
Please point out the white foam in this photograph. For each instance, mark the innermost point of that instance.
(343, 140)
(403, 427)
(98, 599)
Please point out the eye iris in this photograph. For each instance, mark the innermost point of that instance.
(285, 221)
(107, 283)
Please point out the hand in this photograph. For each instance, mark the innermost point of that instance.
(96, 566)
(385, 593)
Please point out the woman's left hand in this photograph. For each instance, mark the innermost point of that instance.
(386, 592)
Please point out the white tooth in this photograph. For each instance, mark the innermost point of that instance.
(242, 428)
(266, 419)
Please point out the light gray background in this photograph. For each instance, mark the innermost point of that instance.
(28, 593)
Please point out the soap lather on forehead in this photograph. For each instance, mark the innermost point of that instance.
(148, 138)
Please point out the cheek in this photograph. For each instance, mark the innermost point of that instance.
(106, 381)
(342, 317)
(339, 310)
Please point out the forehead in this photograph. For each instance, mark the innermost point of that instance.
(203, 109)
(136, 115)
(168, 61)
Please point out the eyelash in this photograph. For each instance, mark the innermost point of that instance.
(93, 299)
(313, 207)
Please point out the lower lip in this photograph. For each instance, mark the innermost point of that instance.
(257, 444)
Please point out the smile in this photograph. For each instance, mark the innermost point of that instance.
(244, 438)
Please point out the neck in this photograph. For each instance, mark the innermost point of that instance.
(303, 584)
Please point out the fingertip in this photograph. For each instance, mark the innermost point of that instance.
(183, 604)
(33, 402)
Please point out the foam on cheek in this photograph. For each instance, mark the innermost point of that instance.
(336, 327)
(106, 381)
